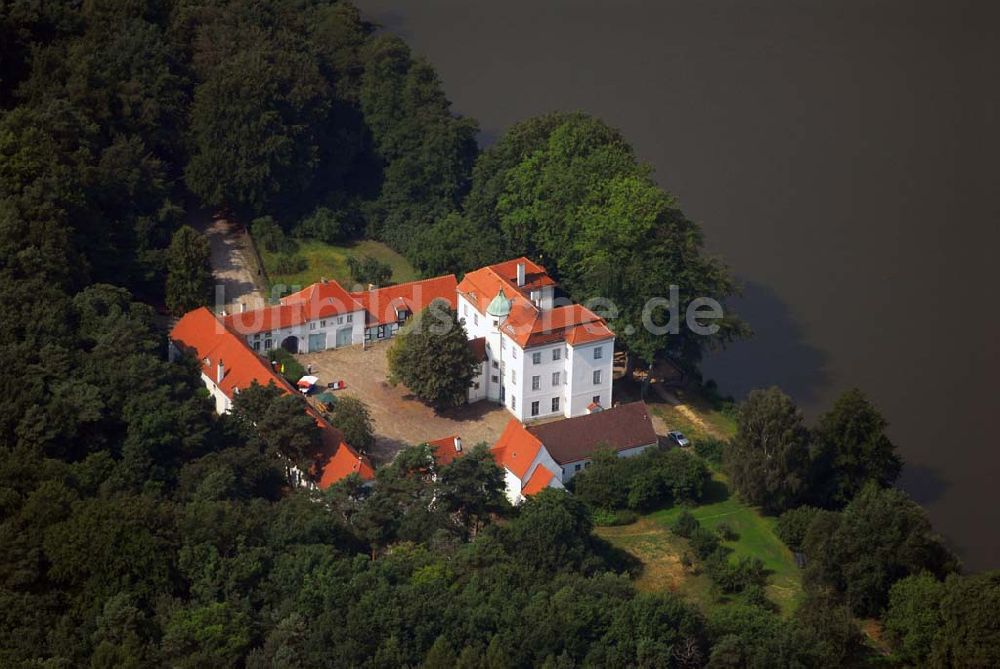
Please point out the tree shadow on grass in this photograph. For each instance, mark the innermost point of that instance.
(617, 559)
(715, 492)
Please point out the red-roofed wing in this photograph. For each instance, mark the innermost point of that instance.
(516, 448)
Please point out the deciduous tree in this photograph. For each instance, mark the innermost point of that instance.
(768, 460)
(431, 357)
(189, 271)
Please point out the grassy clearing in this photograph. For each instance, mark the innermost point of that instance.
(696, 416)
(330, 261)
(651, 541)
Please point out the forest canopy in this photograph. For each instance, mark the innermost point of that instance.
(137, 528)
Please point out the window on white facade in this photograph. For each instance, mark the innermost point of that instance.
(257, 336)
(340, 320)
(513, 402)
(513, 376)
(556, 353)
(494, 378)
(534, 408)
(555, 404)
(496, 323)
(576, 468)
(598, 353)
(465, 310)
(513, 352)
(267, 344)
(596, 399)
(597, 377)
(256, 346)
(496, 365)
(322, 324)
(503, 344)
(475, 319)
(555, 378)
(536, 382)
(312, 326)
(536, 358)
(350, 318)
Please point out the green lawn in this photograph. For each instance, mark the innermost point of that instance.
(651, 541)
(330, 261)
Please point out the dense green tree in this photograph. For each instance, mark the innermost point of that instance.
(881, 537)
(913, 617)
(276, 422)
(852, 450)
(351, 416)
(768, 460)
(426, 152)
(472, 486)
(256, 125)
(368, 270)
(969, 634)
(794, 524)
(432, 358)
(654, 478)
(455, 245)
(189, 271)
(567, 189)
(553, 531)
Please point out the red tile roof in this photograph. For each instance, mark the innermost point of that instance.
(320, 300)
(478, 348)
(516, 448)
(381, 303)
(444, 449)
(344, 462)
(527, 324)
(539, 480)
(203, 335)
(618, 428)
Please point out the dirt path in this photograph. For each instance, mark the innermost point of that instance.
(232, 267)
(686, 411)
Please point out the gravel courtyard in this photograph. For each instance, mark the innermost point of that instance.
(400, 419)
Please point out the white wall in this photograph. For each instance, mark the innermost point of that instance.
(329, 325)
(546, 390)
(222, 403)
(582, 365)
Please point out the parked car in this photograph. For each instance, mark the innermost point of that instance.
(678, 438)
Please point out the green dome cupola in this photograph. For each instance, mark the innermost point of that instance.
(500, 306)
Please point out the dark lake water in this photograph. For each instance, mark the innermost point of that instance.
(841, 155)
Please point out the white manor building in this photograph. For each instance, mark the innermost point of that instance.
(324, 315)
(542, 359)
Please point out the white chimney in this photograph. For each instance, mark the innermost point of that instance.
(243, 307)
(520, 274)
(220, 372)
(458, 445)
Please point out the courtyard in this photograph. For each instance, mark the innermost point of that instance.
(400, 419)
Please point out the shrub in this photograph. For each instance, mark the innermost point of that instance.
(646, 491)
(611, 517)
(289, 263)
(366, 269)
(732, 577)
(704, 542)
(685, 525)
(287, 366)
(325, 225)
(726, 532)
(793, 525)
(270, 236)
(710, 449)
